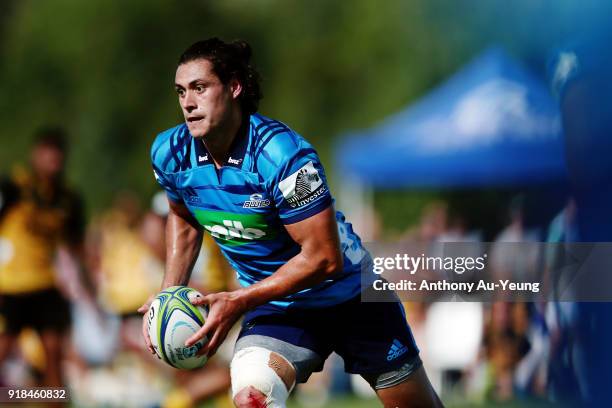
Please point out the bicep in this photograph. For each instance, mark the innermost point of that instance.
(318, 234)
(180, 215)
(183, 232)
(183, 242)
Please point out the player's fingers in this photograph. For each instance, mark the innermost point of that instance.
(211, 346)
(145, 335)
(212, 349)
(209, 326)
(204, 330)
(145, 308)
(200, 299)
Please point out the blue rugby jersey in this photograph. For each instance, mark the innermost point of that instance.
(271, 177)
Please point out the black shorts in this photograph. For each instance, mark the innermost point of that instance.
(42, 310)
(372, 338)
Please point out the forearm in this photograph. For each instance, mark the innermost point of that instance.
(183, 242)
(300, 272)
(80, 268)
(319, 259)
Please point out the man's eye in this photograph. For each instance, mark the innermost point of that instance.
(200, 88)
(180, 92)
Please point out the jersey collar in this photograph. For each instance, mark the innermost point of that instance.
(237, 152)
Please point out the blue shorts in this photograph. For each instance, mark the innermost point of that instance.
(373, 338)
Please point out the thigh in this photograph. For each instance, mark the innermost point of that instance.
(19, 311)
(52, 342)
(286, 333)
(374, 338)
(7, 341)
(55, 315)
(414, 391)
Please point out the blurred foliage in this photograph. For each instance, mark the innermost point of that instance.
(410, 204)
(104, 69)
(485, 211)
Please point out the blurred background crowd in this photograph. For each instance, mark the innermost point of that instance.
(437, 121)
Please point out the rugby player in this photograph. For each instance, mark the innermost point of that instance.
(38, 213)
(260, 190)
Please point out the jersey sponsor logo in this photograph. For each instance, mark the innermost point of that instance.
(234, 161)
(256, 201)
(397, 349)
(234, 228)
(202, 158)
(303, 186)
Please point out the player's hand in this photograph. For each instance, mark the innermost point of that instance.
(144, 309)
(224, 309)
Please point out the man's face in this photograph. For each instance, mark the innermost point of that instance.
(206, 103)
(47, 161)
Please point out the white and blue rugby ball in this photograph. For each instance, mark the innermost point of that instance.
(172, 320)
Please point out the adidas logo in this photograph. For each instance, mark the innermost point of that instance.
(396, 350)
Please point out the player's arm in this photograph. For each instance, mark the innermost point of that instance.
(318, 259)
(183, 242)
(75, 244)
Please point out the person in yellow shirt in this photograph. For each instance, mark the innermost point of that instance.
(126, 268)
(38, 213)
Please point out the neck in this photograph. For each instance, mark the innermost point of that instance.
(219, 145)
(45, 178)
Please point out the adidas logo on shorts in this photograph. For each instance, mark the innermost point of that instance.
(396, 350)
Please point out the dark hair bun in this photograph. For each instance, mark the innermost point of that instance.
(243, 49)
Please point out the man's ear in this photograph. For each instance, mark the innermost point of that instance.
(235, 88)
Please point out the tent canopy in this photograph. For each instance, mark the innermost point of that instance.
(491, 124)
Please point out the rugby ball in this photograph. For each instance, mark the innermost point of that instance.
(172, 320)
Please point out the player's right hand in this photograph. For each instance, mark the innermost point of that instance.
(144, 309)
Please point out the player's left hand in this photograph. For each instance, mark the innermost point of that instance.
(224, 309)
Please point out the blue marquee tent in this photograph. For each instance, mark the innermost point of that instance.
(491, 124)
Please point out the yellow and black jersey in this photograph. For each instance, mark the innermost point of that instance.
(129, 270)
(35, 218)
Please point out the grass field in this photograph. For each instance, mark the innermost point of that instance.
(355, 402)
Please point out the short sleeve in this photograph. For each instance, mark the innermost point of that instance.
(164, 181)
(299, 186)
(161, 156)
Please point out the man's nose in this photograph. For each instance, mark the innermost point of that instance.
(188, 102)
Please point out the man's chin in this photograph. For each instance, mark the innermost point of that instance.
(196, 132)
